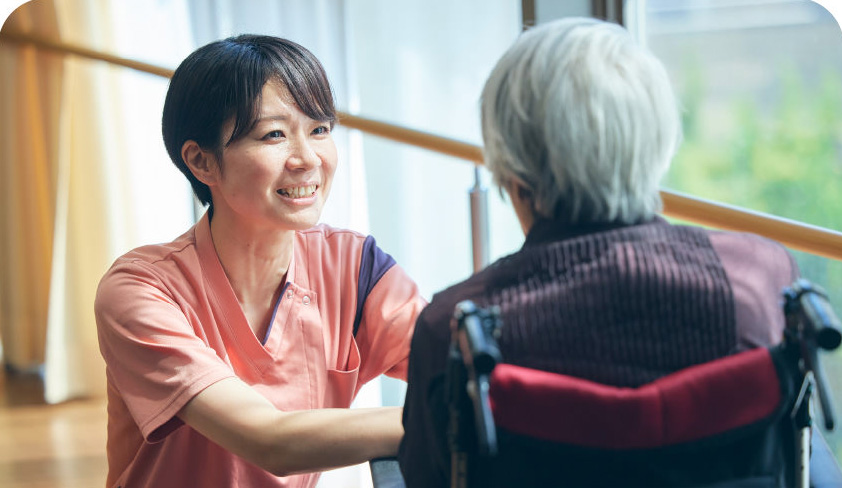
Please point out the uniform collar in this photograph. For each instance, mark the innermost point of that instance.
(547, 230)
(209, 257)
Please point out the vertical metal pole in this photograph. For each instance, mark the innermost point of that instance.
(609, 10)
(479, 222)
(527, 14)
(803, 422)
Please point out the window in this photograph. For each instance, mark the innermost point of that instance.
(761, 86)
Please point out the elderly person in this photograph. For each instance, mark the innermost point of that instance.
(580, 124)
(233, 352)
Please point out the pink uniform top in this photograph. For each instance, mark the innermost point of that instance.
(170, 325)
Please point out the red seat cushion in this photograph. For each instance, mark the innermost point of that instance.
(688, 405)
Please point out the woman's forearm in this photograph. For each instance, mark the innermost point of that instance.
(315, 440)
(233, 415)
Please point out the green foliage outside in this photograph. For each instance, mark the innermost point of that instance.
(781, 156)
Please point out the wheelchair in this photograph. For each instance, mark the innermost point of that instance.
(744, 420)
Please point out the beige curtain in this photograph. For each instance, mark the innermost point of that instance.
(58, 225)
(73, 366)
(30, 89)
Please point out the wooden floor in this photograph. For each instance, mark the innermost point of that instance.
(48, 446)
(63, 446)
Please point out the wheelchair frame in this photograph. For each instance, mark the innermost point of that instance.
(810, 325)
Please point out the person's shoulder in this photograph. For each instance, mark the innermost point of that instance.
(332, 236)
(440, 309)
(156, 253)
(744, 242)
(732, 241)
(746, 250)
(145, 270)
(326, 243)
(148, 258)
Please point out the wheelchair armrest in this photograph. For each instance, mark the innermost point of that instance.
(386, 473)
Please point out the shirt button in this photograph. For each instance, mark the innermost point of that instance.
(306, 300)
(289, 294)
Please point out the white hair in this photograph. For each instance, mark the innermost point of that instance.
(584, 118)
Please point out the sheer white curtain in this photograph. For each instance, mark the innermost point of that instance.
(423, 64)
(115, 186)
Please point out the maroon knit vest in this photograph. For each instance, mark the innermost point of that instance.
(621, 307)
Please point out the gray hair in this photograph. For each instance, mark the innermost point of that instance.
(584, 118)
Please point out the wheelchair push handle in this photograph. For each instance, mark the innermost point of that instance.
(806, 306)
(476, 329)
(812, 324)
(474, 332)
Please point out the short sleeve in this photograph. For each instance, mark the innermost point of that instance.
(388, 320)
(156, 355)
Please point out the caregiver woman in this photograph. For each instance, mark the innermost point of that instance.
(234, 352)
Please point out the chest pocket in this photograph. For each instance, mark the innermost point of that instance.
(314, 366)
(342, 384)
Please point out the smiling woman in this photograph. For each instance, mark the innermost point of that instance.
(257, 327)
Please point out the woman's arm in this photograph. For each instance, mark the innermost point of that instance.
(236, 417)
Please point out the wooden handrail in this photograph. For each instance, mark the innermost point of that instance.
(796, 235)
(67, 48)
(444, 145)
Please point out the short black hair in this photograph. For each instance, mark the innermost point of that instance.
(225, 79)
